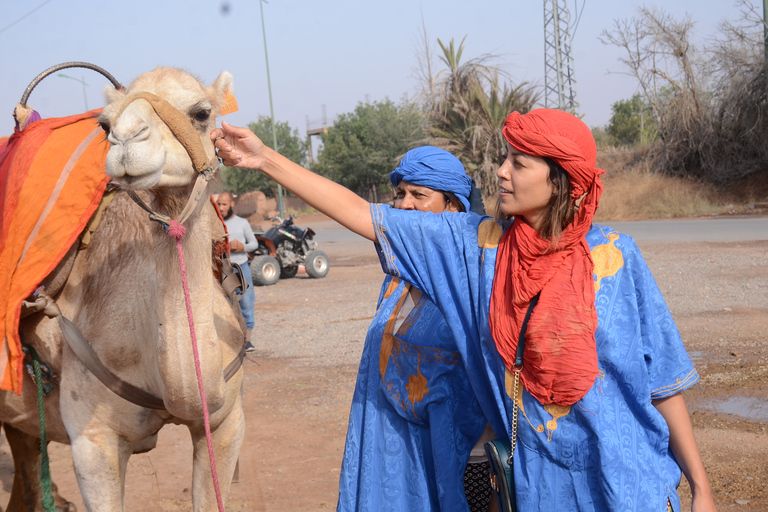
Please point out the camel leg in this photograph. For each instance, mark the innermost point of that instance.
(227, 439)
(100, 458)
(27, 491)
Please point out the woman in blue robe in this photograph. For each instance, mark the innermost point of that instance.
(414, 417)
(622, 442)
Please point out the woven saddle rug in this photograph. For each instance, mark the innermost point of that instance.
(52, 178)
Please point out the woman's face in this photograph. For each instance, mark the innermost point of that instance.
(415, 197)
(525, 186)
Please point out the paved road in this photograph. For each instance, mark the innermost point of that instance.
(715, 229)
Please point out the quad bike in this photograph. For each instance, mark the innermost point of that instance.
(282, 248)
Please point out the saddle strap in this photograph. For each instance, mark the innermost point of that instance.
(88, 357)
(232, 277)
(85, 353)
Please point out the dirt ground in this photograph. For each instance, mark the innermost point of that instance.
(298, 385)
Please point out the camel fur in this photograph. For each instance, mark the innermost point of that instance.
(125, 295)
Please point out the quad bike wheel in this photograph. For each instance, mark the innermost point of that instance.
(265, 270)
(317, 264)
(288, 272)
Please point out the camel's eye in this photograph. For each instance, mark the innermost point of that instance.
(105, 126)
(201, 115)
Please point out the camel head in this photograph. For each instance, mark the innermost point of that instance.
(144, 153)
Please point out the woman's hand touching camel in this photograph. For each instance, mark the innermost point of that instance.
(240, 147)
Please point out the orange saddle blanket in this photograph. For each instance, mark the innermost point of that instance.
(52, 178)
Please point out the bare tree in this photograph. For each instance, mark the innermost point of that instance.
(709, 104)
(660, 56)
(424, 70)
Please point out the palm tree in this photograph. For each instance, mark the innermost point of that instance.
(467, 112)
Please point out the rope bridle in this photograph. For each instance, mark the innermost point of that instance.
(188, 137)
(186, 134)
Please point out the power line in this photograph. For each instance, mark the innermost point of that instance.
(578, 18)
(18, 20)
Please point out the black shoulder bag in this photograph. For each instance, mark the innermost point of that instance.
(500, 451)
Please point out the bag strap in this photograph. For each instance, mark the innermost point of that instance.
(518, 368)
(523, 330)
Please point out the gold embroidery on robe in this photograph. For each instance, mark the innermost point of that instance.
(418, 385)
(393, 284)
(557, 411)
(387, 342)
(417, 388)
(393, 347)
(608, 259)
(489, 234)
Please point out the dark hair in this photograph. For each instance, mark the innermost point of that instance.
(230, 195)
(450, 197)
(559, 209)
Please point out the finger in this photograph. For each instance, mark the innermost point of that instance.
(222, 146)
(217, 133)
(237, 131)
(226, 151)
(230, 160)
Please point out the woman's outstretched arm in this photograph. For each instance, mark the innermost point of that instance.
(683, 446)
(240, 147)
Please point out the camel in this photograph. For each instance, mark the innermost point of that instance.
(125, 295)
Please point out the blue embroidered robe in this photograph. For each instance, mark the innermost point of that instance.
(609, 451)
(414, 418)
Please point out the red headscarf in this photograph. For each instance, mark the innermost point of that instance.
(560, 358)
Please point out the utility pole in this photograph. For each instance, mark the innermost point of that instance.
(765, 43)
(559, 79)
(316, 128)
(271, 108)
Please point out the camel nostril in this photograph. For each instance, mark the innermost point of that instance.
(134, 133)
(142, 135)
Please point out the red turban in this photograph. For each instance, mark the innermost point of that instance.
(560, 358)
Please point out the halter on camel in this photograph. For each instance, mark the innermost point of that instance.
(190, 140)
(187, 136)
(43, 300)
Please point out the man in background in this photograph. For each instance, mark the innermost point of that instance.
(241, 241)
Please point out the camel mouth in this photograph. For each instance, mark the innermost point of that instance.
(141, 182)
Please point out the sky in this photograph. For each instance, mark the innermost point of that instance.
(323, 54)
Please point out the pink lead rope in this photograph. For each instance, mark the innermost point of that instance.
(177, 231)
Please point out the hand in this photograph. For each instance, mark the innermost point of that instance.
(238, 147)
(703, 504)
(236, 246)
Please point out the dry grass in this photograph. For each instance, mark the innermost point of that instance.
(634, 192)
(641, 195)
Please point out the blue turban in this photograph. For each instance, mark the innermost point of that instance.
(434, 168)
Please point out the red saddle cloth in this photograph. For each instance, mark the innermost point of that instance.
(52, 177)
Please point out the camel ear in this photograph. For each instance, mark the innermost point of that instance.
(220, 88)
(112, 95)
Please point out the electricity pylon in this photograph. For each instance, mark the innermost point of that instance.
(559, 80)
